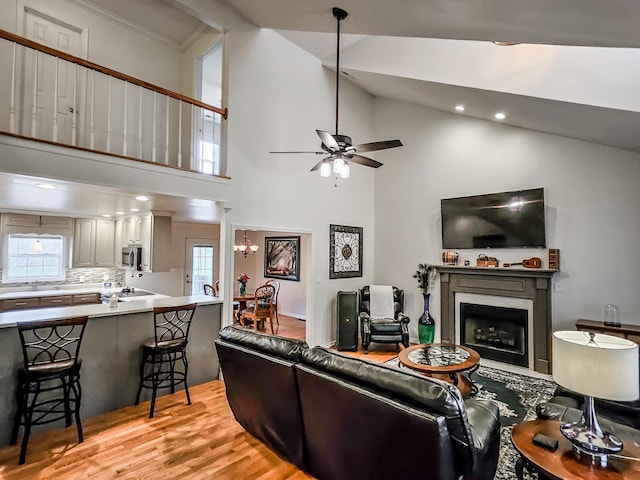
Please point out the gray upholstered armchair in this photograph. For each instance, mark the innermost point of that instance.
(392, 326)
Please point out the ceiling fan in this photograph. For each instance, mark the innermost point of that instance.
(339, 148)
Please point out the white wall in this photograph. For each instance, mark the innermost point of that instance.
(591, 196)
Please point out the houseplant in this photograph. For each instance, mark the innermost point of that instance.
(243, 279)
(426, 323)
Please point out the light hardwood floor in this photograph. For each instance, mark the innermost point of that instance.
(201, 441)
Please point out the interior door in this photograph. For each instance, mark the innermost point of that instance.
(201, 265)
(42, 70)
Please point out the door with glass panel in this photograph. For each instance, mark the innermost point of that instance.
(201, 266)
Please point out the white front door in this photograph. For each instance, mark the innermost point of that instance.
(201, 265)
(56, 82)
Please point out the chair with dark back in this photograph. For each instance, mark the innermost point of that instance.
(276, 284)
(389, 324)
(161, 354)
(49, 380)
(210, 290)
(262, 307)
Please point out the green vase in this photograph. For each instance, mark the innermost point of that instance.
(426, 323)
(243, 289)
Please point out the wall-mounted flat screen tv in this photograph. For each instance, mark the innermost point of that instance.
(496, 220)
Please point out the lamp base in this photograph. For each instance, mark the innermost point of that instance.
(589, 439)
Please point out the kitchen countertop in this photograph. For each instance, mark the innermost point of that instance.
(133, 305)
(57, 292)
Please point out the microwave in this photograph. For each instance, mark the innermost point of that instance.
(132, 258)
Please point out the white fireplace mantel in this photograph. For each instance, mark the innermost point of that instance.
(528, 284)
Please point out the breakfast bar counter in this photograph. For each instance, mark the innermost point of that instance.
(110, 351)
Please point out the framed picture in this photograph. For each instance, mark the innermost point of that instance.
(345, 251)
(282, 258)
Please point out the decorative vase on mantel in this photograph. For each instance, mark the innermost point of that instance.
(426, 323)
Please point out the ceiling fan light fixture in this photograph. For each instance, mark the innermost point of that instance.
(325, 169)
(338, 165)
(344, 173)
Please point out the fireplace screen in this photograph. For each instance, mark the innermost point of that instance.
(496, 333)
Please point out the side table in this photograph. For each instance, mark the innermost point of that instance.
(563, 464)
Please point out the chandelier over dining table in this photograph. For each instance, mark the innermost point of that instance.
(245, 248)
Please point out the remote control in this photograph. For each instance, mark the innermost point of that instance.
(545, 442)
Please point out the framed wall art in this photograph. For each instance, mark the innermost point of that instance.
(345, 251)
(282, 258)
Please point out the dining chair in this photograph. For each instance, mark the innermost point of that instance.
(209, 290)
(262, 307)
(276, 284)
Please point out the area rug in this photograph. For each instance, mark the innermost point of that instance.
(517, 397)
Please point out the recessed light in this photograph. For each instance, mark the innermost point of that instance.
(106, 215)
(460, 108)
(46, 186)
(134, 209)
(500, 116)
(119, 213)
(506, 44)
(142, 198)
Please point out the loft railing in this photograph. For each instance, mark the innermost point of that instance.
(59, 98)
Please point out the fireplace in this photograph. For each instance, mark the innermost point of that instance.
(496, 333)
(494, 296)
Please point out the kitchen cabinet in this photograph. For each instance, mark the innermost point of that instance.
(19, 303)
(131, 231)
(93, 243)
(86, 298)
(23, 223)
(55, 301)
(155, 234)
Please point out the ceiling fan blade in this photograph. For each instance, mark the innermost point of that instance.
(319, 164)
(369, 162)
(315, 153)
(328, 140)
(373, 146)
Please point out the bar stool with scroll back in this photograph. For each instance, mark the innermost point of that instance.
(161, 354)
(49, 380)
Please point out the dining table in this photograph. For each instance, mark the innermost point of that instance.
(242, 299)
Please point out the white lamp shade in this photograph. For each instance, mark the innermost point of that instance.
(325, 169)
(606, 367)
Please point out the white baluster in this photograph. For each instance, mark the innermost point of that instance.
(34, 109)
(124, 122)
(55, 101)
(194, 139)
(74, 108)
(92, 131)
(166, 134)
(140, 91)
(153, 142)
(109, 117)
(12, 107)
(180, 133)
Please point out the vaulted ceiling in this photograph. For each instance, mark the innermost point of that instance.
(574, 71)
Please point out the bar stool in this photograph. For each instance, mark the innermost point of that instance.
(161, 353)
(49, 381)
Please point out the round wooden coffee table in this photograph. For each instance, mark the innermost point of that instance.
(443, 361)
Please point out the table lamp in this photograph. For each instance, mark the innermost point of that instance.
(594, 365)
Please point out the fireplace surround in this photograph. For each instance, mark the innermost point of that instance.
(527, 284)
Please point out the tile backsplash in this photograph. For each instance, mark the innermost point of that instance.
(91, 275)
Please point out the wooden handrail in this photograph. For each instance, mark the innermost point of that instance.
(107, 71)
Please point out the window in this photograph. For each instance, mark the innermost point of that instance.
(34, 258)
(202, 261)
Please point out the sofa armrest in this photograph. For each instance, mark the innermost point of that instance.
(402, 318)
(557, 411)
(484, 419)
(365, 321)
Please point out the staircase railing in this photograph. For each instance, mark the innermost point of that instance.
(92, 107)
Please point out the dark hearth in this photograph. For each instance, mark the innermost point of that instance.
(496, 333)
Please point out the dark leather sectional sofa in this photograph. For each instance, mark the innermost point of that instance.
(338, 417)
